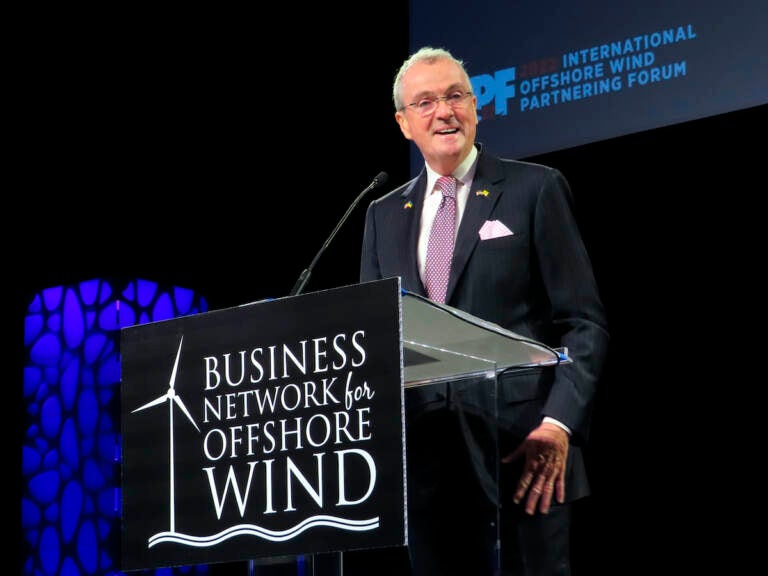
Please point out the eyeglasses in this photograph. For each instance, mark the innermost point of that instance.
(427, 106)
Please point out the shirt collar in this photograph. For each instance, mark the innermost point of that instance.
(464, 172)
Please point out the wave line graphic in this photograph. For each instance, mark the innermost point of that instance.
(265, 533)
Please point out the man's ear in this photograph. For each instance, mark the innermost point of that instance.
(402, 121)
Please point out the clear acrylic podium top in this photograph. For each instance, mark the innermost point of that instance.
(441, 343)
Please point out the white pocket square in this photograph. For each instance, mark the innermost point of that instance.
(494, 229)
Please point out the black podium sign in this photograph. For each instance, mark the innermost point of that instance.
(269, 429)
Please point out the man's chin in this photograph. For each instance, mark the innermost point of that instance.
(449, 145)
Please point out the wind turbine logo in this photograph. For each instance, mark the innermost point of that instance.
(171, 397)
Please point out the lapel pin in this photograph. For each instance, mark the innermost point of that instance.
(481, 193)
(408, 204)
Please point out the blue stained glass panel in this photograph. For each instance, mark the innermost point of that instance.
(71, 447)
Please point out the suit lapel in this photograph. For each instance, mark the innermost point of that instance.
(483, 196)
(412, 201)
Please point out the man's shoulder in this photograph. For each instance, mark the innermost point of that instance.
(488, 159)
(497, 169)
(401, 194)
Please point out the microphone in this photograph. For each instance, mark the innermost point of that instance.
(381, 177)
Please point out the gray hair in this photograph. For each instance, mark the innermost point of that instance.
(425, 54)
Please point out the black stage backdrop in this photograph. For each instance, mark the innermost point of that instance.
(190, 149)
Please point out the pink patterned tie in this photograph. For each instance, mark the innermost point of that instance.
(440, 247)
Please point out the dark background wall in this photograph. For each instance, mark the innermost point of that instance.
(218, 151)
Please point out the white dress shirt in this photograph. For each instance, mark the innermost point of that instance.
(464, 175)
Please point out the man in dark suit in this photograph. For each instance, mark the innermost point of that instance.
(518, 261)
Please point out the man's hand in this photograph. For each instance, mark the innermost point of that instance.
(545, 450)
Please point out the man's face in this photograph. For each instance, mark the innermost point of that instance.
(446, 135)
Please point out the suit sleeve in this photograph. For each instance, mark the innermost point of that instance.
(578, 317)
